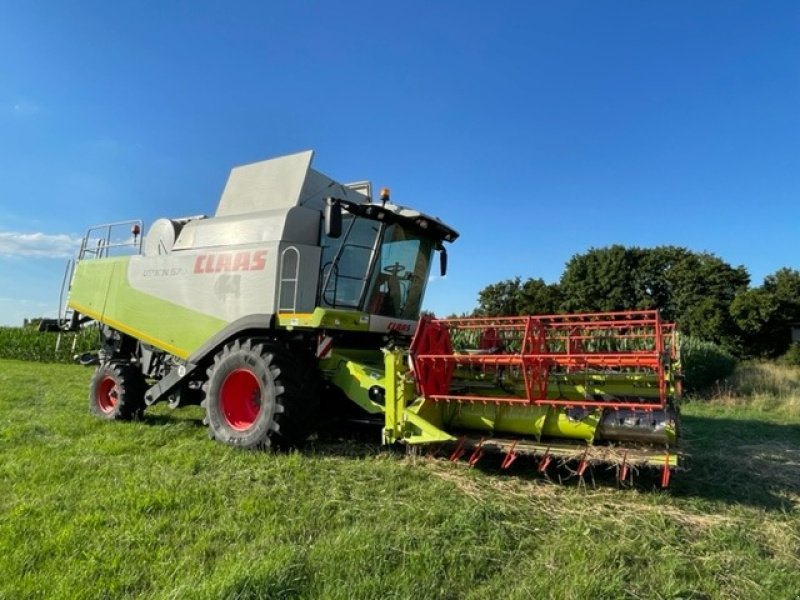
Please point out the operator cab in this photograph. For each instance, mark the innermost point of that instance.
(377, 258)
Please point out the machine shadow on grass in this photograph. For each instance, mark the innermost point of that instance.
(740, 461)
(172, 418)
(735, 461)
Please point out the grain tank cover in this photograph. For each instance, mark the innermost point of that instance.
(279, 184)
(265, 185)
(275, 200)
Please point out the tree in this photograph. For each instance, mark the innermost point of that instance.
(601, 279)
(500, 299)
(540, 298)
(695, 289)
(765, 314)
(701, 288)
(512, 297)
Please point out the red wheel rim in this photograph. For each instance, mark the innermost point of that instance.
(106, 394)
(240, 399)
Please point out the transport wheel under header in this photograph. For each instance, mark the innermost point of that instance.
(116, 392)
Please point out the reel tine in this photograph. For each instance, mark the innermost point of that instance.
(510, 457)
(477, 454)
(545, 461)
(623, 468)
(459, 450)
(583, 464)
(665, 472)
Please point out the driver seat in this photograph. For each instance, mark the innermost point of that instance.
(387, 297)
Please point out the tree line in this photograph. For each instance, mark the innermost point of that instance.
(708, 298)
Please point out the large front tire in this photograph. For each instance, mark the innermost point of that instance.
(116, 392)
(254, 397)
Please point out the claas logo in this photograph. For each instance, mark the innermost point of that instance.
(231, 261)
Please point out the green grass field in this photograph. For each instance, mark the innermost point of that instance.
(154, 509)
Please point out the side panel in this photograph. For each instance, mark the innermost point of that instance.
(100, 290)
(179, 301)
(225, 283)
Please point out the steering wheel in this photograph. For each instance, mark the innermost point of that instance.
(394, 269)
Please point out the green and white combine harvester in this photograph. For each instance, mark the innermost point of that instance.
(301, 292)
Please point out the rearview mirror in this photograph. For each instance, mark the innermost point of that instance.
(442, 261)
(333, 218)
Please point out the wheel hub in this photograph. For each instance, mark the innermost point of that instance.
(240, 399)
(107, 394)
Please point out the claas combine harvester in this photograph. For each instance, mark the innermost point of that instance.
(301, 292)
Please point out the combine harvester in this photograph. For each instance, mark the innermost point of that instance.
(301, 291)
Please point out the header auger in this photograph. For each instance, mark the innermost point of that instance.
(300, 291)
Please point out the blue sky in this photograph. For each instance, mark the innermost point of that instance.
(538, 130)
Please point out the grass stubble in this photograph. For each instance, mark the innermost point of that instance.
(153, 509)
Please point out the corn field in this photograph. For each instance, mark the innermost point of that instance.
(26, 343)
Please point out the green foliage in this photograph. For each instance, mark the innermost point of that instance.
(704, 363)
(540, 298)
(26, 343)
(764, 314)
(708, 298)
(601, 279)
(153, 509)
(792, 356)
(765, 385)
(500, 299)
(512, 297)
(694, 289)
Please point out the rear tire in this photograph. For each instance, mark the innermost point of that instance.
(257, 396)
(116, 392)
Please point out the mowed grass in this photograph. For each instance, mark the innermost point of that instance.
(154, 509)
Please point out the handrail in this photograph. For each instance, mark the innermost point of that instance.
(66, 283)
(103, 235)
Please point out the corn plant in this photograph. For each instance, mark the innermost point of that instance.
(26, 343)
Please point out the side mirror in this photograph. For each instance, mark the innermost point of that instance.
(333, 218)
(442, 261)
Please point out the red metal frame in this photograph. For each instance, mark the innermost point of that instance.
(628, 341)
